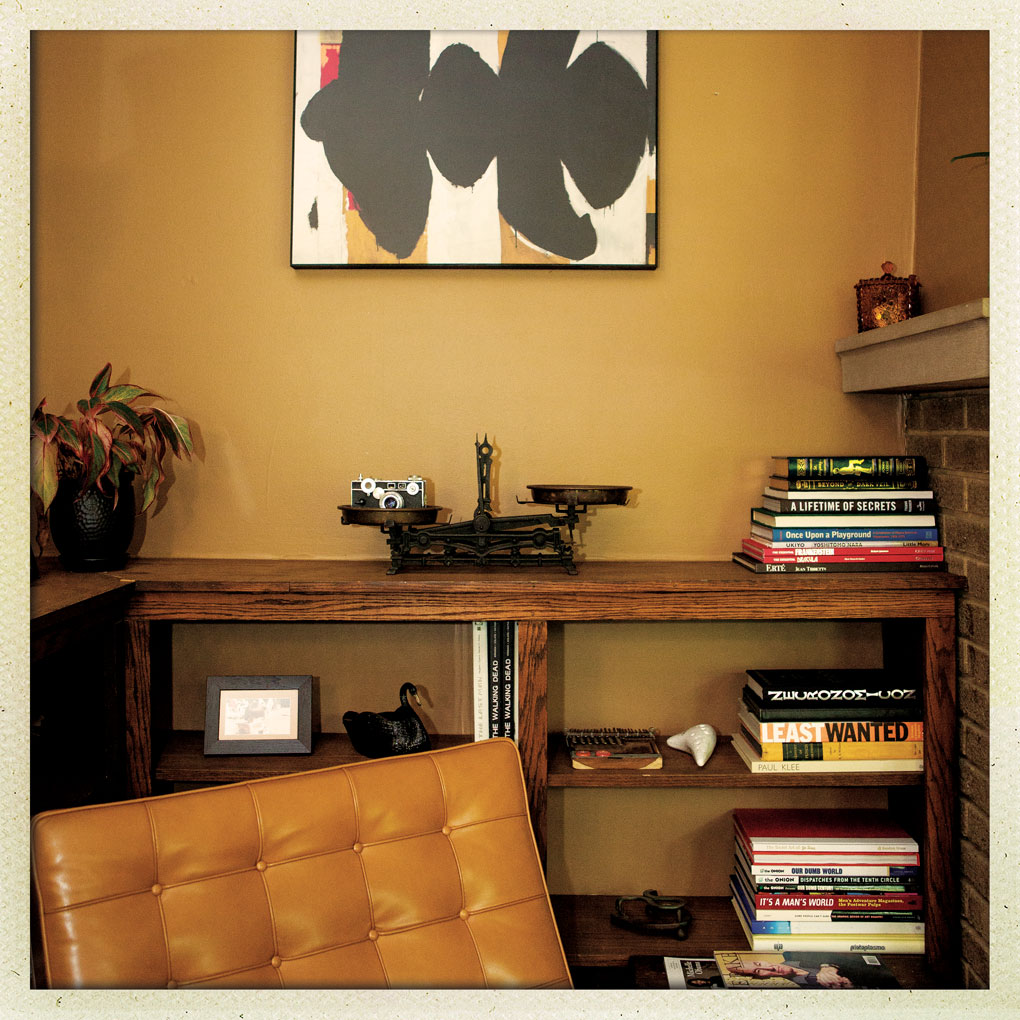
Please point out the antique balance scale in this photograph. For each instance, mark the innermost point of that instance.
(486, 540)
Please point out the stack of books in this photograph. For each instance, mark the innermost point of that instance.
(826, 880)
(829, 720)
(825, 514)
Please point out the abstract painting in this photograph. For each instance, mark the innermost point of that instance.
(513, 148)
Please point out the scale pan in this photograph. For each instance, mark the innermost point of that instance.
(580, 495)
(377, 515)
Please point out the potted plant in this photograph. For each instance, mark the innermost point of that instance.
(83, 469)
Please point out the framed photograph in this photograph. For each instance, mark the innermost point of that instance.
(524, 149)
(258, 715)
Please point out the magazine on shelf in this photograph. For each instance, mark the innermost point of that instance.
(743, 969)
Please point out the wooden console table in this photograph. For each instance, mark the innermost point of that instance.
(917, 612)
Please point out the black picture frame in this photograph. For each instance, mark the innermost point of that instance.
(369, 203)
(244, 715)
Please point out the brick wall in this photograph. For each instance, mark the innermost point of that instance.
(951, 431)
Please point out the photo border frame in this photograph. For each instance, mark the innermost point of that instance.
(216, 685)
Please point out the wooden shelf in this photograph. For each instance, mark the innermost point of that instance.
(182, 758)
(917, 612)
(724, 769)
(592, 941)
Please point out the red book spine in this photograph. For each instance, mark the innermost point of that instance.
(867, 554)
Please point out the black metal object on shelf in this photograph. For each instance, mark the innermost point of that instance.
(488, 539)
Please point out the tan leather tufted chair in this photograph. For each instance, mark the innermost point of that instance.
(413, 871)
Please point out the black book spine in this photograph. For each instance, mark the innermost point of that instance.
(508, 666)
(495, 712)
(829, 711)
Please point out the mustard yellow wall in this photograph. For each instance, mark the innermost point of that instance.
(160, 218)
(952, 256)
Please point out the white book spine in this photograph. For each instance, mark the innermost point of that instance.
(480, 674)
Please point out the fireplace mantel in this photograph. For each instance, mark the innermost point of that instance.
(943, 350)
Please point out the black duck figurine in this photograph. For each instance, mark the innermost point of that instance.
(379, 734)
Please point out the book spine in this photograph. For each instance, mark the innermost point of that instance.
(757, 766)
(827, 903)
(869, 733)
(763, 542)
(772, 519)
(480, 674)
(843, 534)
(830, 711)
(844, 505)
(849, 885)
(494, 679)
(829, 872)
(774, 550)
(843, 483)
(761, 926)
(774, 687)
(833, 555)
(824, 751)
(508, 688)
(823, 568)
(849, 467)
(914, 945)
(831, 940)
(761, 850)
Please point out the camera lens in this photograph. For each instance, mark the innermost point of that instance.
(391, 500)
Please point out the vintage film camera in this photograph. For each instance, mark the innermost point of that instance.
(388, 495)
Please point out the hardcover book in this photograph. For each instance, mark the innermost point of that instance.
(774, 519)
(822, 568)
(849, 467)
(844, 503)
(898, 923)
(755, 763)
(805, 710)
(870, 732)
(835, 554)
(813, 750)
(779, 552)
(829, 943)
(854, 685)
(845, 536)
(772, 829)
(845, 483)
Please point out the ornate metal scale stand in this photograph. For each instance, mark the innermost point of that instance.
(486, 539)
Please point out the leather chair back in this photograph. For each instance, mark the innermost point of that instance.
(412, 871)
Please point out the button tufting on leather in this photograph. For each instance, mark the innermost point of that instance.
(171, 984)
(357, 848)
(465, 914)
(275, 962)
(261, 865)
(373, 934)
(156, 890)
(447, 830)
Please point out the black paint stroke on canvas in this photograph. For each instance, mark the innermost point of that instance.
(385, 111)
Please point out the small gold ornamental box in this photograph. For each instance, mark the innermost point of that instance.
(886, 299)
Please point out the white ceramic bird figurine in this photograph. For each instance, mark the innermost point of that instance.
(699, 742)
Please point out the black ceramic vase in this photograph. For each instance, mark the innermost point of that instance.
(89, 531)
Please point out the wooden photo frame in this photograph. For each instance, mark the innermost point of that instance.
(258, 715)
